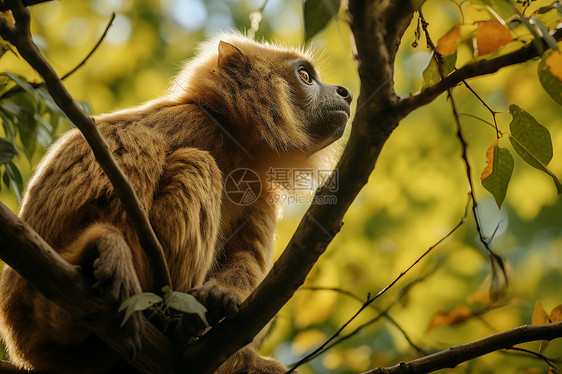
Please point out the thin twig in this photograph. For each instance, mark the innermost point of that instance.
(255, 19)
(547, 360)
(383, 313)
(20, 36)
(492, 112)
(36, 85)
(479, 119)
(102, 37)
(381, 292)
(495, 259)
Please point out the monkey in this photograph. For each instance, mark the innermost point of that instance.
(237, 105)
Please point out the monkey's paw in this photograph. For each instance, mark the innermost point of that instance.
(116, 281)
(220, 301)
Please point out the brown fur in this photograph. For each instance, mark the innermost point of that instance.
(243, 107)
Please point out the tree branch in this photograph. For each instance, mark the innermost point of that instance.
(19, 35)
(25, 251)
(371, 129)
(471, 70)
(453, 356)
(7, 4)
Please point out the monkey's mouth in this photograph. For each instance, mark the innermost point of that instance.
(339, 119)
(333, 131)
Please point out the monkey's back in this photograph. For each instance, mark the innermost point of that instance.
(70, 190)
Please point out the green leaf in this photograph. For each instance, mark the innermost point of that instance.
(141, 301)
(496, 175)
(531, 141)
(7, 151)
(46, 99)
(11, 107)
(166, 289)
(185, 303)
(431, 74)
(27, 125)
(317, 15)
(532, 136)
(23, 84)
(551, 84)
(16, 180)
(8, 125)
(6, 180)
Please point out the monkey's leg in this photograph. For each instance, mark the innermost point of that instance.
(106, 259)
(42, 336)
(186, 215)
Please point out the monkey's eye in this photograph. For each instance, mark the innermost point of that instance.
(304, 75)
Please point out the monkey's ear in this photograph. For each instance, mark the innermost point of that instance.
(229, 55)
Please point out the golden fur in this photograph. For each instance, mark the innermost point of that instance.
(240, 107)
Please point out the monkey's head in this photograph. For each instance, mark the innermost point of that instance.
(266, 96)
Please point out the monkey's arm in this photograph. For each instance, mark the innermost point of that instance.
(186, 215)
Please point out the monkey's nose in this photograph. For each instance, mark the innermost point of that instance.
(345, 94)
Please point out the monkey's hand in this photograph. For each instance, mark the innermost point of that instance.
(220, 301)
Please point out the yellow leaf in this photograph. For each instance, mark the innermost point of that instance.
(539, 315)
(489, 161)
(491, 36)
(457, 315)
(556, 314)
(447, 45)
(554, 64)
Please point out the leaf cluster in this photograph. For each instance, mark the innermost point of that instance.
(30, 122)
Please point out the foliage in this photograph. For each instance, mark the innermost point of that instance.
(419, 188)
(179, 301)
(30, 119)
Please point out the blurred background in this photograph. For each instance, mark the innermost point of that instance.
(417, 193)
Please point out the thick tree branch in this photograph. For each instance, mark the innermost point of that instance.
(7, 4)
(371, 129)
(24, 250)
(453, 356)
(471, 70)
(19, 35)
